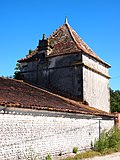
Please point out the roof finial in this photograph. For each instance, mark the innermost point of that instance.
(66, 20)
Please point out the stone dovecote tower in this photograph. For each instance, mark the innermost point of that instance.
(64, 63)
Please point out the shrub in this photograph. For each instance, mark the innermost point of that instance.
(102, 143)
(75, 150)
(48, 157)
(108, 140)
(114, 137)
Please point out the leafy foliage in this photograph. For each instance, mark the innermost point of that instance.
(102, 143)
(17, 71)
(107, 140)
(48, 157)
(75, 149)
(30, 51)
(115, 100)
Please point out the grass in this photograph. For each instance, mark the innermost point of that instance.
(87, 154)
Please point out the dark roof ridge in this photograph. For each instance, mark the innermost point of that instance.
(69, 29)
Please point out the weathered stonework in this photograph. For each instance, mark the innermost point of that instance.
(57, 73)
(96, 84)
(43, 132)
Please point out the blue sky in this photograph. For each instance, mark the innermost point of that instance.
(22, 23)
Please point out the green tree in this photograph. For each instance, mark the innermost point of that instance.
(17, 71)
(30, 51)
(115, 100)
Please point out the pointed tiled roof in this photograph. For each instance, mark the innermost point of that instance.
(64, 41)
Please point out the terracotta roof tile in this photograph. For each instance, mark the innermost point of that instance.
(14, 93)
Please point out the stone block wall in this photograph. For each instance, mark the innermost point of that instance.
(96, 84)
(43, 132)
(59, 73)
(96, 93)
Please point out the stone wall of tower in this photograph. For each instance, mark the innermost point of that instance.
(60, 74)
(96, 84)
(29, 71)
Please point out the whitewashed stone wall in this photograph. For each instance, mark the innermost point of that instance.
(96, 65)
(46, 132)
(96, 90)
(96, 84)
